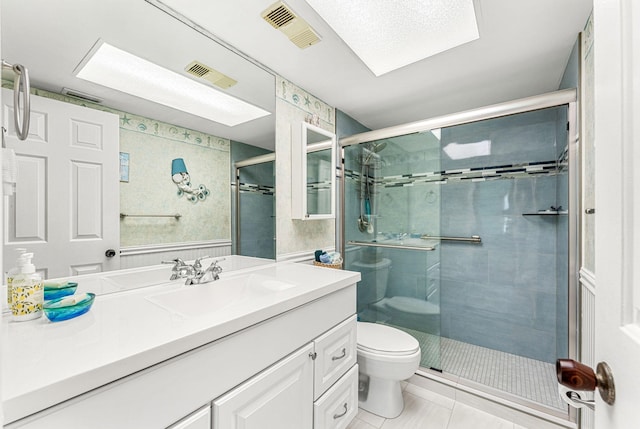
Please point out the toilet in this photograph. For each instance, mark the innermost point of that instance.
(386, 356)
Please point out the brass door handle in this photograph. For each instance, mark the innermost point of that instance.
(578, 376)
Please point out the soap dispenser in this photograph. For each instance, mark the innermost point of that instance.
(27, 291)
(13, 272)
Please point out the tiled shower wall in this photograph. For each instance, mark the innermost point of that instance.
(503, 293)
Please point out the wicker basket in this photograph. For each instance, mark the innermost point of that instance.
(337, 265)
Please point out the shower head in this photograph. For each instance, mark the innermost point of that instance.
(376, 147)
(370, 150)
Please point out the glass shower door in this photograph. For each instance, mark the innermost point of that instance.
(392, 207)
(255, 223)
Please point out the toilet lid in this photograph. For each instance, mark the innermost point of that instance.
(382, 339)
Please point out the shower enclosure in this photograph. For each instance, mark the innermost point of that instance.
(464, 229)
(255, 207)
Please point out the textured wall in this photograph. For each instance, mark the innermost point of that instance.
(150, 190)
(293, 106)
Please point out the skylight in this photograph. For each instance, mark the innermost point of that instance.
(387, 35)
(112, 67)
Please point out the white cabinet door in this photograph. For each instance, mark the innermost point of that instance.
(201, 419)
(280, 397)
(66, 206)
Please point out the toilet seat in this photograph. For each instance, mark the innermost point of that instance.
(377, 339)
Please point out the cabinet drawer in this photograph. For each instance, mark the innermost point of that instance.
(339, 405)
(335, 354)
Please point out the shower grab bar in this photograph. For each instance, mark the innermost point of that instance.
(21, 121)
(390, 246)
(472, 239)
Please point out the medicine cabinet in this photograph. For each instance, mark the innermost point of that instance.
(313, 166)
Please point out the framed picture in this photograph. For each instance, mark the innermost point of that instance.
(124, 167)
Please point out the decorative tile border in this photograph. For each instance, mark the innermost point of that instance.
(319, 186)
(300, 98)
(141, 124)
(257, 189)
(478, 174)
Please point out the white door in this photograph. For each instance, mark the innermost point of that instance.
(66, 206)
(617, 140)
(280, 397)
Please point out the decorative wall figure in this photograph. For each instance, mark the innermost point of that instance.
(182, 179)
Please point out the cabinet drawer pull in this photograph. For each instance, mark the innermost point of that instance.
(344, 353)
(337, 416)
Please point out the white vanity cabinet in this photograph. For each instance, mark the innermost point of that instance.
(283, 395)
(280, 371)
(201, 419)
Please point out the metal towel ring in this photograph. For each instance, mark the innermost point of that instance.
(21, 119)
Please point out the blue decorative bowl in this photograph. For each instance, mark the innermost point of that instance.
(68, 307)
(60, 291)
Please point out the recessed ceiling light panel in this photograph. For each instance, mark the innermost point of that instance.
(387, 35)
(114, 68)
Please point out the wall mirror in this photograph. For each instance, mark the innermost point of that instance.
(61, 34)
(313, 173)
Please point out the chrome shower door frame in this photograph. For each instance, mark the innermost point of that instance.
(567, 97)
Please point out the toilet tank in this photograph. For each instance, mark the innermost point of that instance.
(375, 275)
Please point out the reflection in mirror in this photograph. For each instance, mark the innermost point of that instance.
(312, 172)
(255, 220)
(319, 182)
(149, 135)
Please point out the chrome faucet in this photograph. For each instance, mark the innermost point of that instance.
(212, 273)
(179, 269)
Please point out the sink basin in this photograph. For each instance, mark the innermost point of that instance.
(196, 300)
(237, 262)
(142, 277)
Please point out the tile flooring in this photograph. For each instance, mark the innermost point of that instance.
(527, 378)
(425, 409)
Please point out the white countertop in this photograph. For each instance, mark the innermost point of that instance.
(45, 363)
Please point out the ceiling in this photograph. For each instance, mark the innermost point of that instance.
(523, 49)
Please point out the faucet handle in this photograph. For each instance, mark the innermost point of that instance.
(197, 265)
(215, 268)
(176, 262)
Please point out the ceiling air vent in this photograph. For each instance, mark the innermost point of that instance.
(81, 95)
(214, 76)
(281, 17)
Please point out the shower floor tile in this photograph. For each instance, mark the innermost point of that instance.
(527, 378)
